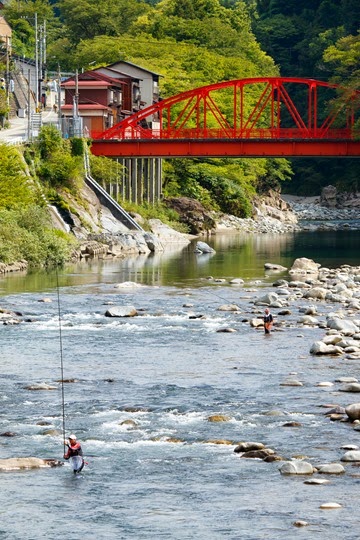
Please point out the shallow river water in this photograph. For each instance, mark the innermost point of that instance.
(162, 476)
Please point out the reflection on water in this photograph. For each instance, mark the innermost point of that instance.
(237, 256)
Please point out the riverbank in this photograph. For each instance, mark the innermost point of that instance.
(274, 214)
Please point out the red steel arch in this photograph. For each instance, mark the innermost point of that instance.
(269, 116)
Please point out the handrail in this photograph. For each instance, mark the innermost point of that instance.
(127, 218)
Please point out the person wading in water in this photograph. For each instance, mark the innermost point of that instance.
(268, 321)
(75, 454)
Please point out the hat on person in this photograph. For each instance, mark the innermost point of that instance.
(72, 437)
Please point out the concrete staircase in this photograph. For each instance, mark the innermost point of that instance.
(117, 211)
(35, 123)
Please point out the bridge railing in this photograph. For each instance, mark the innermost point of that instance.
(139, 133)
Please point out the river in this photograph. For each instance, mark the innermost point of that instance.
(161, 475)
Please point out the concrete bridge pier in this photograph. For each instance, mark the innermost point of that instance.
(139, 181)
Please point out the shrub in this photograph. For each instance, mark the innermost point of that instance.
(26, 234)
(62, 170)
(77, 146)
(49, 141)
(16, 188)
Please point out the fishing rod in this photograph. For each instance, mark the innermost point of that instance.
(61, 358)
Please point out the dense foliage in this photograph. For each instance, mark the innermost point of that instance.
(25, 227)
(192, 43)
(315, 39)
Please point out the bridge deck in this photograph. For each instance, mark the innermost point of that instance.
(225, 148)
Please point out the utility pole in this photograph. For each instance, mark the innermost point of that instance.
(44, 52)
(59, 99)
(36, 65)
(76, 96)
(28, 105)
(7, 75)
(77, 121)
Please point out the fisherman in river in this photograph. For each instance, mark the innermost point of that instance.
(74, 453)
(268, 321)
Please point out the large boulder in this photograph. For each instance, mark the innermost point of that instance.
(296, 467)
(351, 455)
(267, 299)
(316, 292)
(345, 326)
(328, 196)
(353, 411)
(203, 247)
(192, 213)
(319, 347)
(166, 234)
(304, 266)
(121, 311)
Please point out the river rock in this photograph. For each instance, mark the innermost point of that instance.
(351, 387)
(332, 339)
(51, 432)
(346, 327)
(166, 234)
(203, 247)
(267, 299)
(153, 242)
(353, 411)
(316, 292)
(130, 423)
(296, 467)
(308, 320)
(299, 285)
(248, 446)
(328, 196)
(121, 311)
(228, 307)
(291, 382)
(127, 285)
(226, 330)
(258, 454)
(15, 464)
(255, 323)
(237, 281)
(192, 213)
(317, 481)
(331, 468)
(219, 418)
(280, 283)
(330, 506)
(351, 455)
(275, 267)
(40, 386)
(304, 266)
(319, 347)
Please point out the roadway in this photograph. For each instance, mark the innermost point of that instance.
(17, 133)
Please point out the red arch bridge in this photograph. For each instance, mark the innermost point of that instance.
(258, 117)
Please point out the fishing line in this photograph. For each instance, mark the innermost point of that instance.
(61, 358)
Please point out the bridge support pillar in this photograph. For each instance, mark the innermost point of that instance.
(133, 180)
(139, 180)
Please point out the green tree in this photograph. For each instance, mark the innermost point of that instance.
(16, 188)
(344, 59)
(86, 19)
